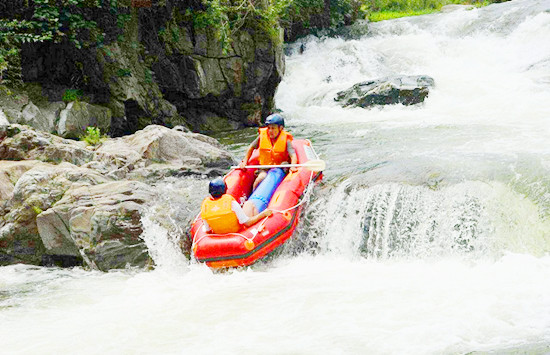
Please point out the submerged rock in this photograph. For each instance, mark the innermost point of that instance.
(406, 90)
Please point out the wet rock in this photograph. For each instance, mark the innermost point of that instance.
(102, 223)
(406, 90)
(35, 192)
(56, 212)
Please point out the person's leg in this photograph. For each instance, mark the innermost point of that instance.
(261, 176)
(250, 208)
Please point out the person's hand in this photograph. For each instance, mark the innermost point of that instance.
(242, 165)
(294, 169)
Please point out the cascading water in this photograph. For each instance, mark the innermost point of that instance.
(430, 233)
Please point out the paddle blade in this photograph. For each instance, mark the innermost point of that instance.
(315, 165)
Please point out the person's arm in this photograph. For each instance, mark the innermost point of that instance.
(256, 218)
(205, 226)
(292, 154)
(244, 219)
(251, 148)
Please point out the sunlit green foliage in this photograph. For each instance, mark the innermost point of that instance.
(227, 17)
(379, 10)
(388, 15)
(93, 136)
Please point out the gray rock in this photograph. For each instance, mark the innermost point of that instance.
(35, 192)
(102, 223)
(24, 143)
(33, 116)
(406, 90)
(10, 172)
(3, 119)
(78, 115)
(12, 105)
(158, 144)
(52, 112)
(79, 212)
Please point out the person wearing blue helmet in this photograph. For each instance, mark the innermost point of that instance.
(274, 144)
(222, 214)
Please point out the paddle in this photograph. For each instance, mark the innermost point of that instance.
(313, 165)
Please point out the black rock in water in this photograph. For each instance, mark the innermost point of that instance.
(406, 90)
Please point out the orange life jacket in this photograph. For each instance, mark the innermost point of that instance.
(219, 215)
(273, 154)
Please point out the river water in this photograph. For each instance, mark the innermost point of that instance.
(430, 233)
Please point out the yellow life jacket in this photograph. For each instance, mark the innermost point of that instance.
(219, 215)
(273, 154)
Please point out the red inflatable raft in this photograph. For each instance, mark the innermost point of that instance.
(251, 243)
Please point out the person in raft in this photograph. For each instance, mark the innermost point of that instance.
(222, 214)
(275, 146)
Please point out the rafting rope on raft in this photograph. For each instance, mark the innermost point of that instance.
(305, 198)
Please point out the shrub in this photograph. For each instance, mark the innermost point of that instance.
(93, 136)
(72, 95)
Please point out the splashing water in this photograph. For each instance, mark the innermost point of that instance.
(429, 235)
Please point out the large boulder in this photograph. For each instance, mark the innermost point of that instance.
(64, 214)
(10, 172)
(33, 116)
(36, 191)
(23, 143)
(12, 104)
(16, 107)
(78, 115)
(157, 147)
(406, 90)
(102, 223)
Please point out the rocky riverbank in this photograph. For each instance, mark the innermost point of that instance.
(68, 203)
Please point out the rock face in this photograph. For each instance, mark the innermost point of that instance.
(21, 143)
(100, 222)
(78, 115)
(3, 119)
(158, 68)
(64, 203)
(36, 191)
(406, 90)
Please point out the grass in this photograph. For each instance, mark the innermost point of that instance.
(388, 15)
(380, 10)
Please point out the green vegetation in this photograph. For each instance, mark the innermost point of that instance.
(379, 10)
(93, 136)
(227, 17)
(72, 95)
(39, 21)
(388, 15)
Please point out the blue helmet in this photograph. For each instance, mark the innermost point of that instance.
(217, 187)
(275, 119)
